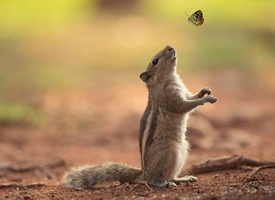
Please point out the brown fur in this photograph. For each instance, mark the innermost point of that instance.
(163, 146)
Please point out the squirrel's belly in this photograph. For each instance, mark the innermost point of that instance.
(181, 152)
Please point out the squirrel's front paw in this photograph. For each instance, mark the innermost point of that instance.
(210, 99)
(203, 92)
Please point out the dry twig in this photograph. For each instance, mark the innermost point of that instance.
(248, 178)
(228, 162)
(30, 166)
(16, 185)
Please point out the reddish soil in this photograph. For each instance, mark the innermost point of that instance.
(91, 126)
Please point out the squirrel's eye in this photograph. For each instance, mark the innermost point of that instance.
(155, 61)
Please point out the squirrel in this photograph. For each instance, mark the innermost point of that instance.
(162, 140)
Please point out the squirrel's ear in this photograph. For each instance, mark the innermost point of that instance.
(144, 76)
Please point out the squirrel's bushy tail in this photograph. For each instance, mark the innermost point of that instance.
(90, 175)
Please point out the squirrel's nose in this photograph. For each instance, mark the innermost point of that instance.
(169, 48)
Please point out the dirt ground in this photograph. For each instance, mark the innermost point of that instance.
(91, 126)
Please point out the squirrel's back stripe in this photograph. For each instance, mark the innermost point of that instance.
(149, 135)
(143, 123)
(153, 126)
(146, 121)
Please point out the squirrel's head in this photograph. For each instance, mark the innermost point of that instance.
(161, 67)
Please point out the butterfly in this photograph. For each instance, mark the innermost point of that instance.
(196, 18)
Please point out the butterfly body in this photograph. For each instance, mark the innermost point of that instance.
(196, 18)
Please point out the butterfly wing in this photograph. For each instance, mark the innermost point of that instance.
(196, 18)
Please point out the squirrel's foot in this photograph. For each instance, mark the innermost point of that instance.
(165, 184)
(186, 179)
(203, 92)
(171, 184)
(208, 99)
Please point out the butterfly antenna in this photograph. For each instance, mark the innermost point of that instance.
(186, 14)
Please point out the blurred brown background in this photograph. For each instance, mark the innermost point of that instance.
(70, 87)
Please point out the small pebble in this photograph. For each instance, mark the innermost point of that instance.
(216, 175)
(26, 197)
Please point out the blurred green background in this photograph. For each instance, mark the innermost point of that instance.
(56, 45)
